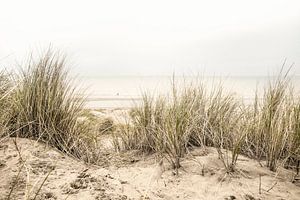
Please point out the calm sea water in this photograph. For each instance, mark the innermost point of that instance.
(124, 92)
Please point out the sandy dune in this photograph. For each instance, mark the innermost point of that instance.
(134, 177)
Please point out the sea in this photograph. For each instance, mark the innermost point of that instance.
(126, 91)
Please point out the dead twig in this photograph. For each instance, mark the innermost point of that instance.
(272, 187)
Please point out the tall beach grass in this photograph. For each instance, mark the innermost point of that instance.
(195, 115)
(46, 106)
(42, 103)
(6, 90)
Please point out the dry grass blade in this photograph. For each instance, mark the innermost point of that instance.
(15, 182)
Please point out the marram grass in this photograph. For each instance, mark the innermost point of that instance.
(194, 115)
(43, 104)
(47, 106)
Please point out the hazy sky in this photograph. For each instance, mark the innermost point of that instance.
(136, 37)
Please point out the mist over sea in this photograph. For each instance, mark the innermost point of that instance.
(125, 91)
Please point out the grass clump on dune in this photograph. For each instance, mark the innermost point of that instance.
(6, 91)
(268, 129)
(275, 118)
(189, 116)
(294, 141)
(178, 124)
(223, 126)
(47, 107)
(161, 125)
(275, 124)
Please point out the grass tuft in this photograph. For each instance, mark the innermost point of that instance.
(47, 106)
(194, 115)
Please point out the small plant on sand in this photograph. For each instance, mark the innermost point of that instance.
(275, 113)
(124, 137)
(143, 120)
(178, 124)
(272, 126)
(224, 127)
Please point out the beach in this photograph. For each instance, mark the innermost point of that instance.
(131, 175)
(150, 100)
(153, 138)
(126, 91)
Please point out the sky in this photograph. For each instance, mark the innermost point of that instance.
(157, 37)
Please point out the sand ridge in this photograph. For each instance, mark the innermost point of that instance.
(201, 177)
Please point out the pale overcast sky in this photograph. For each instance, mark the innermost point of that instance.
(155, 37)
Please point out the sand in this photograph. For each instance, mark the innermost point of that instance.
(133, 176)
